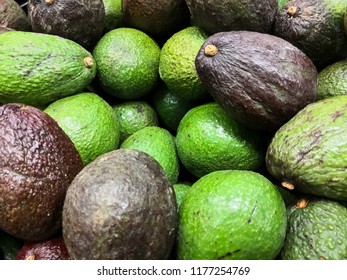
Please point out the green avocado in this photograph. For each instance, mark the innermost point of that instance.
(309, 152)
(316, 231)
(37, 69)
(315, 27)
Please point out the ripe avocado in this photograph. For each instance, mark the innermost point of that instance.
(156, 18)
(120, 206)
(315, 27)
(37, 69)
(81, 21)
(309, 152)
(38, 163)
(227, 15)
(316, 231)
(12, 16)
(259, 79)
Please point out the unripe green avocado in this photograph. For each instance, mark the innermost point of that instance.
(309, 152)
(37, 69)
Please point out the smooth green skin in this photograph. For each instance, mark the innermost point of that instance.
(89, 122)
(208, 139)
(170, 108)
(310, 150)
(37, 69)
(231, 214)
(158, 143)
(134, 115)
(315, 232)
(113, 14)
(332, 80)
(127, 63)
(180, 189)
(177, 63)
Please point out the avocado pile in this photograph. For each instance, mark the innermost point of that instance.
(260, 62)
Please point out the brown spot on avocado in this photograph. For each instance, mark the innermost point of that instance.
(336, 114)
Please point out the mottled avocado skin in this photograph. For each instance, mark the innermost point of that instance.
(309, 151)
(120, 206)
(316, 231)
(259, 79)
(81, 21)
(227, 15)
(38, 163)
(316, 27)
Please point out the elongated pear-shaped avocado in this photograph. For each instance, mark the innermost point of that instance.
(309, 152)
(259, 79)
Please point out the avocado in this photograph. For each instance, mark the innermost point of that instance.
(37, 69)
(261, 80)
(9, 246)
(315, 231)
(229, 15)
(120, 206)
(38, 163)
(4, 29)
(345, 21)
(156, 18)
(12, 16)
(81, 21)
(49, 249)
(315, 27)
(308, 153)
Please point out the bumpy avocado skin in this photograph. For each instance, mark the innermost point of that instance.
(38, 163)
(81, 21)
(259, 79)
(37, 69)
(309, 151)
(316, 232)
(226, 15)
(120, 206)
(316, 27)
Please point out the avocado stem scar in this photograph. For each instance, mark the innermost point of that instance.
(88, 62)
(211, 50)
(302, 203)
(30, 258)
(287, 185)
(292, 10)
(49, 2)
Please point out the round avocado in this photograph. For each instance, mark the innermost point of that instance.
(120, 206)
(38, 163)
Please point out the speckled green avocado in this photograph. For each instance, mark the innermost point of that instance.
(316, 230)
(309, 152)
(37, 69)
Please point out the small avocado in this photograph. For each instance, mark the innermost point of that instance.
(315, 27)
(316, 231)
(261, 80)
(120, 206)
(12, 16)
(49, 249)
(308, 153)
(156, 18)
(38, 163)
(81, 21)
(228, 15)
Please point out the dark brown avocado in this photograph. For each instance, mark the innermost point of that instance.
(119, 207)
(81, 21)
(156, 18)
(315, 27)
(38, 163)
(13, 16)
(227, 15)
(50, 249)
(259, 79)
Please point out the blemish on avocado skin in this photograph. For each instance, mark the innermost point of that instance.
(229, 254)
(336, 114)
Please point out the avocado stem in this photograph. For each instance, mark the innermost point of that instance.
(88, 62)
(302, 203)
(30, 258)
(287, 185)
(211, 50)
(49, 2)
(292, 10)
